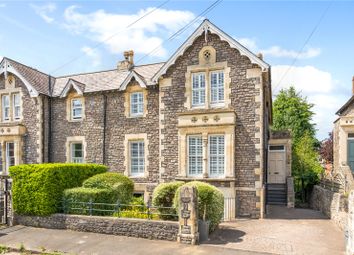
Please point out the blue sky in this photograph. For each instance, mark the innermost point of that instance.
(60, 37)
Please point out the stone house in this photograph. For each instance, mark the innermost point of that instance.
(202, 115)
(343, 145)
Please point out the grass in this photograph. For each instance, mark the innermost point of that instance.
(23, 251)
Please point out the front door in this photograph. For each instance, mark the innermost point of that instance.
(276, 164)
(9, 155)
(351, 154)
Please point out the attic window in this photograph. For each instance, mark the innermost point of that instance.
(207, 55)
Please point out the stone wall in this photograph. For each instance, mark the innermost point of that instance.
(150, 229)
(350, 230)
(331, 204)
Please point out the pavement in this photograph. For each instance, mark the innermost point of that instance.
(285, 231)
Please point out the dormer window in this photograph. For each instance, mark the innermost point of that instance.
(76, 108)
(5, 107)
(136, 104)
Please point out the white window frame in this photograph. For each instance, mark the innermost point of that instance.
(138, 105)
(218, 156)
(4, 107)
(219, 88)
(199, 90)
(73, 158)
(196, 156)
(73, 108)
(8, 157)
(277, 150)
(140, 158)
(16, 106)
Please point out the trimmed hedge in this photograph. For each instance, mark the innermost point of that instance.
(76, 201)
(121, 185)
(37, 189)
(210, 202)
(163, 196)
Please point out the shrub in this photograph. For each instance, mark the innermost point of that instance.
(210, 203)
(163, 197)
(38, 188)
(122, 186)
(77, 201)
(136, 209)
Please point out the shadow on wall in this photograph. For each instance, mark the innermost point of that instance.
(225, 235)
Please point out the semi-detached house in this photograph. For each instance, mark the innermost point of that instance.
(202, 115)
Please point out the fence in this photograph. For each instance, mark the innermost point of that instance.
(119, 210)
(6, 214)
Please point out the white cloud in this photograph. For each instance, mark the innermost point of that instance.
(277, 51)
(320, 89)
(142, 37)
(44, 11)
(2, 5)
(93, 54)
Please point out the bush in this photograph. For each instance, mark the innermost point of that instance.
(121, 185)
(136, 209)
(210, 203)
(163, 197)
(37, 189)
(77, 201)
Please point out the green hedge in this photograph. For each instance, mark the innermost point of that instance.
(77, 201)
(210, 202)
(37, 189)
(163, 196)
(121, 185)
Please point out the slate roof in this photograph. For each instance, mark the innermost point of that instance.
(88, 82)
(345, 106)
(38, 79)
(106, 80)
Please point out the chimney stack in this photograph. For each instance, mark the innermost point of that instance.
(260, 56)
(128, 61)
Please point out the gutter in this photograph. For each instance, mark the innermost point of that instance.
(104, 129)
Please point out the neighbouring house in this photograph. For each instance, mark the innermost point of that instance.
(343, 144)
(202, 115)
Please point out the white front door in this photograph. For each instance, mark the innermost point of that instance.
(9, 155)
(276, 164)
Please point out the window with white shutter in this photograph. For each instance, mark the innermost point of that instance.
(198, 89)
(137, 104)
(217, 87)
(216, 155)
(195, 155)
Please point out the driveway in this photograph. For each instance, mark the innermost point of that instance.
(284, 231)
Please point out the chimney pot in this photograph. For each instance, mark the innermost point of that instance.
(128, 61)
(260, 55)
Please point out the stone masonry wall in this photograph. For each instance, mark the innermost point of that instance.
(330, 204)
(243, 93)
(29, 113)
(159, 230)
(117, 126)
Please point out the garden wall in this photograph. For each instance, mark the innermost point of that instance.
(150, 229)
(333, 205)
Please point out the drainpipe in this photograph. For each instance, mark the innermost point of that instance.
(104, 129)
(49, 119)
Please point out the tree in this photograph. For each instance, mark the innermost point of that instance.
(292, 112)
(326, 149)
(305, 165)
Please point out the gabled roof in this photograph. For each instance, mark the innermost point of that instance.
(345, 106)
(72, 84)
(35, 81)
(205, 26)
(140, 79)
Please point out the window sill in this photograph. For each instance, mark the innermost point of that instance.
(136, 116)
(76, 120)
(200, 178)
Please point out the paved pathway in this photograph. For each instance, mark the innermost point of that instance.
(285, 231)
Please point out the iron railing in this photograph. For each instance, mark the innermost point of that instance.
(119, 210)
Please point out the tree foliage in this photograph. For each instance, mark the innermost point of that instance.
(326, 149)
(291, 111)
